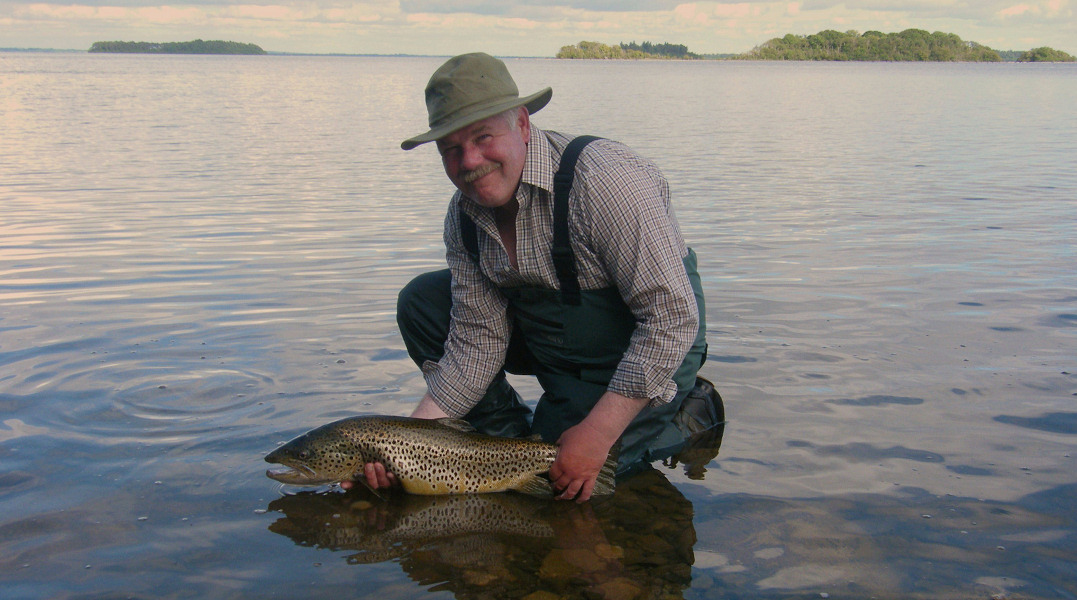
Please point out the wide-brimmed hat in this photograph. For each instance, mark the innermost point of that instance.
(467, 89)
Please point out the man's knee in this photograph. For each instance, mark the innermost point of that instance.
(427, 292)
(422, 315)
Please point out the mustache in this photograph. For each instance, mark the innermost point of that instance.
(482, 171)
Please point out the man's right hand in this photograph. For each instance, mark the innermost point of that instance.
(376, 475)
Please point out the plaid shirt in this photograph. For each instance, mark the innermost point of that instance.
(623, 233)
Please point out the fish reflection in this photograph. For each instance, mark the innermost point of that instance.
(379, 530)
(636, 543)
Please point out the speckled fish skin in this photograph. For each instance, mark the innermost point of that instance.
(429, 457)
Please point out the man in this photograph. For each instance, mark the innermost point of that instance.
(600, 302)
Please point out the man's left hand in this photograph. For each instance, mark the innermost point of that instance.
(584, 447)
(582, 453)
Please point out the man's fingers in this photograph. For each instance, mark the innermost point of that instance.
(555, 473)
(586, 487)
(376, 476)
(571, 490)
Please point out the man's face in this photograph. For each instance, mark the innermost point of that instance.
(485, 160)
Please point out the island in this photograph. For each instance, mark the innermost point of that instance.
(631, 50)
(195, 47)
(908, 45)
(1045, 54)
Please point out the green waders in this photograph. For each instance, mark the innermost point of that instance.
(576, 349)
(572, 341)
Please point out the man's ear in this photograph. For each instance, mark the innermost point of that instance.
(523, 121)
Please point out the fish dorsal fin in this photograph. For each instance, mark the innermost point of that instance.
(457, 424)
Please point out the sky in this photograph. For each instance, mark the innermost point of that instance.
(520, 27)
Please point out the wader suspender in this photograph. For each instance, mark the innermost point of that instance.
(564, 260)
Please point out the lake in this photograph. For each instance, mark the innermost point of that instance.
(199, 259)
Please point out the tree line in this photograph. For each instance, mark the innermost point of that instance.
(908, 45)
(195, 47)
(664, 50)
(631, 50)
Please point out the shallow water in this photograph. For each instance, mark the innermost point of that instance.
(199, 258)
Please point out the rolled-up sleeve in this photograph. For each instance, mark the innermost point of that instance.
(478, 333)
(635, 234)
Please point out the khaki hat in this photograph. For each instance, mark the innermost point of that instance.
(467, 89)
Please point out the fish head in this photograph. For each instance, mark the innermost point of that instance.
(318, 457)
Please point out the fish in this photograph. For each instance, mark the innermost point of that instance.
(427, 456)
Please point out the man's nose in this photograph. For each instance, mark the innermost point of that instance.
(471, 157)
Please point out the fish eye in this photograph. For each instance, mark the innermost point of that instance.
(303, 454)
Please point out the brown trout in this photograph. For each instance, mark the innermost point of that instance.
(428, 456)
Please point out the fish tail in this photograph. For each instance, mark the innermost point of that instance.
(539, 485)
(607, 480)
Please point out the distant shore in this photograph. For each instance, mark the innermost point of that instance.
(193, 47)
(911, 45)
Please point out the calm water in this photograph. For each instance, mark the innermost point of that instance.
(199, 258)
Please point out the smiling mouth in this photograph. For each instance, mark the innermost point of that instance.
(472, 176)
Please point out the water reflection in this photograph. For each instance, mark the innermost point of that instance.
(637, 543)
(915, 544)
(890, 297)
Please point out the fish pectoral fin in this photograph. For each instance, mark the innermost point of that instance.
(536, 485)
(457, 424)
(372, 490)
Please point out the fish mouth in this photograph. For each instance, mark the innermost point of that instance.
(299, 475)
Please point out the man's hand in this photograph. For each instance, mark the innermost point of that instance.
(582, 453)
(376, 477)
(584, 447)
(375, 474)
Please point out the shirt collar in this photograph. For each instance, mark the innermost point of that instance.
(538, 166)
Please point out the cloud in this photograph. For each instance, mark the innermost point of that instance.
(505, 7)
(145, 14)
(520, 27)
(1045, 9)
(205, 13)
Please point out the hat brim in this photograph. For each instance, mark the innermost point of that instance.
(534, 103)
